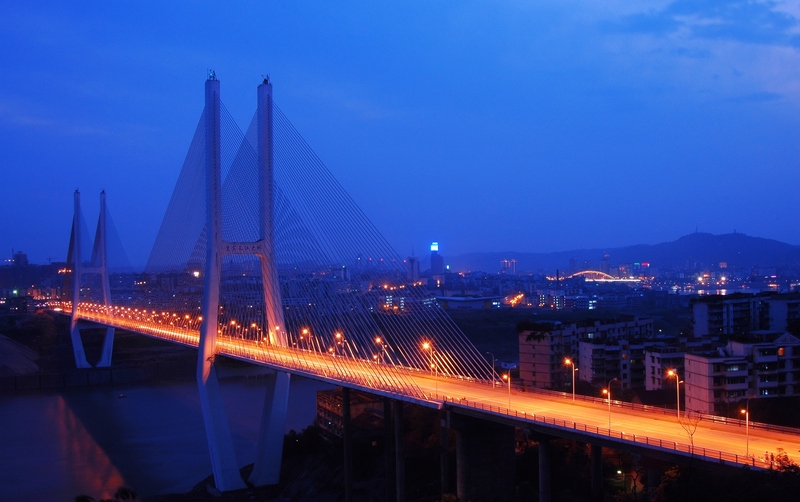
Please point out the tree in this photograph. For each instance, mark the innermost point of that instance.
(689, 423)
(538, 330)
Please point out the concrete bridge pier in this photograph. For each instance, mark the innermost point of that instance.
(218, 433)
(655, 470)
(108, 348)
(596, 463)
(347, 439)
(77, 345)
(399, 452)
(484, 459)
(444, 454)
(79, 352)
(388, 450)
(269, 450)
(544, 467)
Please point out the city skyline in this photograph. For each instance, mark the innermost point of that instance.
(545, 127)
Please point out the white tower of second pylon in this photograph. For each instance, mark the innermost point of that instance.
(98, 265)
(266, 469)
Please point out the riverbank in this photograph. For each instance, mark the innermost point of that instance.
(41, 357)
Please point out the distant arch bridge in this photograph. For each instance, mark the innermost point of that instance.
(596, 275)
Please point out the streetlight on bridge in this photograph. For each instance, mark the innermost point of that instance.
(746, 413)
(678, 383)
(607, 391)
(507, 377)
(572, 363)
(429, 347)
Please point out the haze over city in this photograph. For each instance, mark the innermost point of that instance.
(524, 126)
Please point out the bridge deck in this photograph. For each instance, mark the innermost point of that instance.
(653, 429)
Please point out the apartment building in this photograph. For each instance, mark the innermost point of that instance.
(542, 358)
(715, 380)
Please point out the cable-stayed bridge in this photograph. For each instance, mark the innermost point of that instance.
(263, 257)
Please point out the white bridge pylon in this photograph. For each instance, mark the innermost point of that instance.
(343, 310)
(270, 448)
(98, 265)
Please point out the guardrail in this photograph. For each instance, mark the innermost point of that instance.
(706, 453)
(650, 409)
(190, 338)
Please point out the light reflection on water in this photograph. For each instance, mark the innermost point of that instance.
(83, 460)
(54, 446)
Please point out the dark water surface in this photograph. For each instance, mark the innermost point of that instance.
(56, 445)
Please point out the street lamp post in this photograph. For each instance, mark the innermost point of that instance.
(572, 363)
(678, 383)
(494, 382)
(607, 391)
(746, 413)
(379, 343)
(429, 347)
(507, 377)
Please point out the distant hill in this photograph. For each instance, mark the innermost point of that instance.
(694, 250)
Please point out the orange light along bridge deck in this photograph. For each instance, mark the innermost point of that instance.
(653, 430)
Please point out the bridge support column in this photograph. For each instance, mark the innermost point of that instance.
(77, 347)
(399, 452)
(218, 432)
(101, 251)
(220, 443)
(74, 260)
(654, 473)
(444, 454)
(544, 468)
(99, 266)
(484, 459)
(347, 439)
(596, 459)
(388, 450)
(108, 348)
(269, 450)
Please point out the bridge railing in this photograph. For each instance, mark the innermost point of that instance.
(653, 409)
(189, 337)
(706, 453)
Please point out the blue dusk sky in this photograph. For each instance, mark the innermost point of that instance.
(487, 126)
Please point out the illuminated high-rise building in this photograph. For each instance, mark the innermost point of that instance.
(437, 260)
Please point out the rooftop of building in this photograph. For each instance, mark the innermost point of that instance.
(581, 323)
(794, 295)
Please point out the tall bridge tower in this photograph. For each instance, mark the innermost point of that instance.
(98, 265)
(270, 445)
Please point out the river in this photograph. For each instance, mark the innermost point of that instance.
(56, 445)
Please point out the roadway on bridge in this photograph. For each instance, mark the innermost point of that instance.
(728, 438)
(433, 390)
